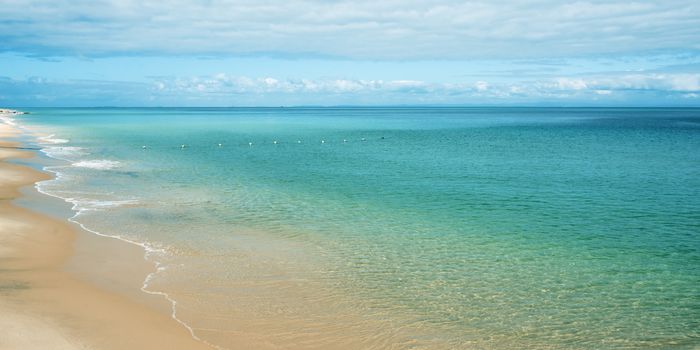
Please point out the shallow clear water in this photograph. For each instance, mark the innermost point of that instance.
(401, 228)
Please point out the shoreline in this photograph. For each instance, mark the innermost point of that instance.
(65, 288)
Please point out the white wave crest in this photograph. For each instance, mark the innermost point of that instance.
(98, 164)
(8, 120)
(51, 140)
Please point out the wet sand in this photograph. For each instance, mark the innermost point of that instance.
(57, 292)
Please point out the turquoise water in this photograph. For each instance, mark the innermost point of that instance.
(401, 228)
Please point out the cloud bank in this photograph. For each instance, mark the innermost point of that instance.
(230, 90)
(360, 29)
(227, 84)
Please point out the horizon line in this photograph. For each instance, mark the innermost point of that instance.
(369, 106)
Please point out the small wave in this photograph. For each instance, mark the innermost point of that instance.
(61, 152)
(8, 120)
(51, 140)
(98, 164)
(150, 249)
(99, 205)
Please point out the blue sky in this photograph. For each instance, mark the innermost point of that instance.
(271, 53)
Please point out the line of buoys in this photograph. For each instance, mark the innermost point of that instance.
(275, 142)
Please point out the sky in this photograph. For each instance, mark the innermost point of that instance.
(388, 52)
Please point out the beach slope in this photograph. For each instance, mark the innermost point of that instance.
(42, 306)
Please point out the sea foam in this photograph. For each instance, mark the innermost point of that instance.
(50, 139)
(7, 120)
(97, 164)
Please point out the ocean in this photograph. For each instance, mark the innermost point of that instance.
(398, 228)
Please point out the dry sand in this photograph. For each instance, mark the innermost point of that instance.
(45, 303)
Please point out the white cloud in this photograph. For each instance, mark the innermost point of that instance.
(389, 29)
(571, 84)
(270, 82)
(481, 86)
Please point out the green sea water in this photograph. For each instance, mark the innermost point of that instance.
(400, 228)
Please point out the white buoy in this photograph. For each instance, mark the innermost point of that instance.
(298, 141)
(345, 140)
(143, 147)
(323, 141)
(364, 139)
(275, 142)
(183, 146)
(250, 143)
(220, 145)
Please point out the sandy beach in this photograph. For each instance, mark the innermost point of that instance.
(59, 294)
